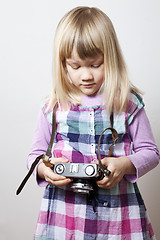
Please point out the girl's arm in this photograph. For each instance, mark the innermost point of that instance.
(41, 138)
(145, 157)
(43, 174)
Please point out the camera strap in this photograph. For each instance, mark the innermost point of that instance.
(115, 138)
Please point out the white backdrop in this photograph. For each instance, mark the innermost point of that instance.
(26, 38)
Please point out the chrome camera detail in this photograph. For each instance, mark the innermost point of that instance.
(59, 168)
(83, 175)
(89, 170)
(76, 170)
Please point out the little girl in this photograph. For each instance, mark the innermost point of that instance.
(91, 83)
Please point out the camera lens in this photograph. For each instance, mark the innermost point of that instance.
(89, 170)
(83, 186)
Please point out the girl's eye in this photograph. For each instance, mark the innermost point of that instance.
(95, 65)
(75, 67)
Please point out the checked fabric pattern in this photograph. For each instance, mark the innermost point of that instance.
(110, 214)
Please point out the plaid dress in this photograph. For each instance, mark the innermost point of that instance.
(108, 214)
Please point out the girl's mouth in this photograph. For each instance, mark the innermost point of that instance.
(88, 85)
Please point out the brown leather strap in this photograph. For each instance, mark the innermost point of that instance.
(115, 138)
(44, 157)
(29, 174)
(111, 120)
(49, 149)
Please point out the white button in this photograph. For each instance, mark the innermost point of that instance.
(92, 148)
(92, 131)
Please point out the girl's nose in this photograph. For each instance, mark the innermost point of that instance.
(86, 74)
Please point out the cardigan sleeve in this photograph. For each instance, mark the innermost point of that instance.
(146, 155)
(41, 138)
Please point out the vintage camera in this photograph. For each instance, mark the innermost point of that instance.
(83, 175)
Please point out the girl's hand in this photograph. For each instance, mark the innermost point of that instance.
(118, 167)
(47, 173)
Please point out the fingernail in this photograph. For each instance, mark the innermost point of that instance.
(94, 160)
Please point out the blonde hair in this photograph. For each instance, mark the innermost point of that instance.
(90, 32)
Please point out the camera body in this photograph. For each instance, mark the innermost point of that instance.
(83, 175)
(76, 170)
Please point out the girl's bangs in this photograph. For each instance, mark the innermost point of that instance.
(85, 40)
(88, 43)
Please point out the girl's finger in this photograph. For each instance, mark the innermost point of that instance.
(57, 160)
(59, 182)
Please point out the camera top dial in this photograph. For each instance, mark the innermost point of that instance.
(89, 170)
(59, 168)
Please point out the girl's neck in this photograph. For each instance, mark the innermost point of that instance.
(92, 100)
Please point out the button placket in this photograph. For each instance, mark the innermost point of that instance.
(92, 122)
(92, 131)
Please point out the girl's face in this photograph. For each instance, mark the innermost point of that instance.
(87, 75)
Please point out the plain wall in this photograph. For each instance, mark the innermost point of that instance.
(26, 38)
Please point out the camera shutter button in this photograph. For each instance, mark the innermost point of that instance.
(90, 170)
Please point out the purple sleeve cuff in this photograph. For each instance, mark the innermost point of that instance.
(146, 155)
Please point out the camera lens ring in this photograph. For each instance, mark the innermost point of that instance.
(82, 186)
